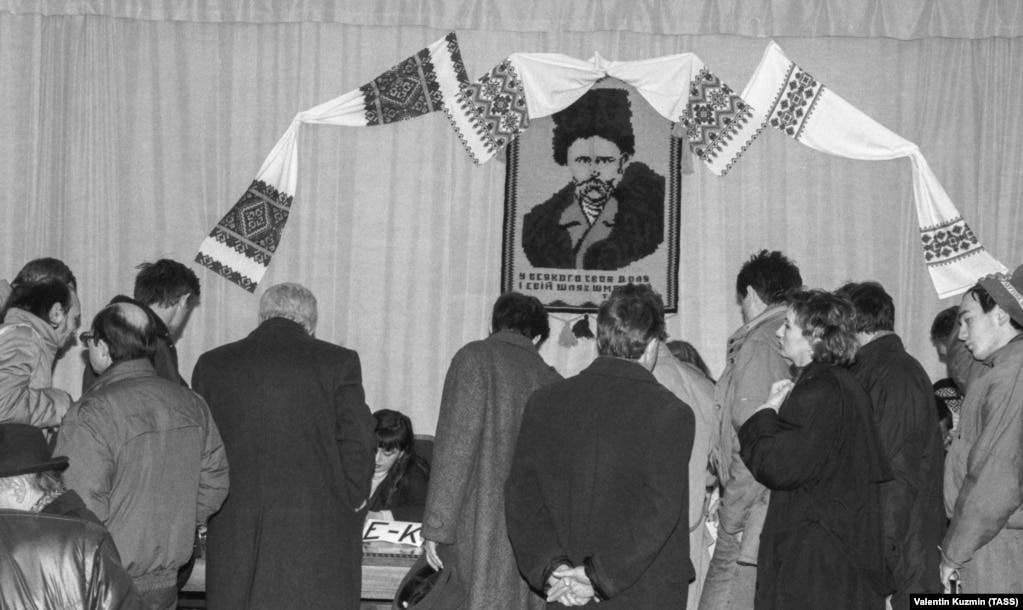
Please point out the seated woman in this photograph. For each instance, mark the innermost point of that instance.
(813, 443)
(401, 477)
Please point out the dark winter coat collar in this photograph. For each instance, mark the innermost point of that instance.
(67, 503)
(609, 366)
(882, 346)
(513, 338)
(280, 326)
(127, 369)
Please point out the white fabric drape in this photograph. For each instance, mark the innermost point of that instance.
(127, 139)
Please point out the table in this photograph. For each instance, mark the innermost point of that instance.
(384, 564)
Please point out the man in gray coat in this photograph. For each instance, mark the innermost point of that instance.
(145, 454)
(754, 363)
(485, 392)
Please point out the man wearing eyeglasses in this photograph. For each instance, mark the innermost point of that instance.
(145, 454)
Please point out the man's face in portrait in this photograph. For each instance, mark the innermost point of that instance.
(597, 166)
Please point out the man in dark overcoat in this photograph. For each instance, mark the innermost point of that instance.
(299, 437)
(597, 498)
(912, 508)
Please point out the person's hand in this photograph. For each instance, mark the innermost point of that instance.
(572, 588)
(430, 549)
(380, 515)
(779, 391)
(947, 573)
(558, 586)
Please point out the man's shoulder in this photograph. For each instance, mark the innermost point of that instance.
(20, 522)
(889, 364)
(612, 378)
(147, 393)
(254, 345)
(489, 347)
(19, 337)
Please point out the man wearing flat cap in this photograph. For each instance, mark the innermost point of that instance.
(983, 547)
(55, 553)
(611, 213)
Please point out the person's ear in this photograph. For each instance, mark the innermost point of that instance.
(56, 315)
(103, 349)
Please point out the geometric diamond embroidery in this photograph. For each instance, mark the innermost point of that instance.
(406, 91)
(713, 116)
(948, 242)
(253, 226)
(496, 106)
(799, 95)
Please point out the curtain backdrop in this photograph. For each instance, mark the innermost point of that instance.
(902, 19)
(131, 128)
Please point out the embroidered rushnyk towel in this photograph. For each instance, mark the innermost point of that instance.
(787, 97)
(241, 245)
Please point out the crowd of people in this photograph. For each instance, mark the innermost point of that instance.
(821, 469)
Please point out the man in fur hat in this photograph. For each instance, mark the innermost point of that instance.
(611, 213)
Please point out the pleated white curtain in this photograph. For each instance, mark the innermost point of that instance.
(130, 128)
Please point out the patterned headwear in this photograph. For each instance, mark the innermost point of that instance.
(600, 112)
(1007, 291)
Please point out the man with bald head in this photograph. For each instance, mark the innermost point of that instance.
(145, 454)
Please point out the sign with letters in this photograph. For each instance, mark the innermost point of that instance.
(397, 532)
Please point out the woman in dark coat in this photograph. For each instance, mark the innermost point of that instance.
(815, 446)
(401, 478)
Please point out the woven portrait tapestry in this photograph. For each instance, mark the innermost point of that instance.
(592, 202)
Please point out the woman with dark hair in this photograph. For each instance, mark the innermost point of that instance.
(814, 445)
(401, 477)
(37, 322)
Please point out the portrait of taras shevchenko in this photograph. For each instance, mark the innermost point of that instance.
(611, 213)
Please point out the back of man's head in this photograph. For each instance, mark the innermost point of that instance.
(944, 323)
(874, 310)
(523, 314)
(39, 297)
(289, 301)
(628, 320)
(127, 330)
(164, 282)
(42, 269)
(772, 276)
